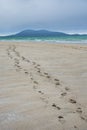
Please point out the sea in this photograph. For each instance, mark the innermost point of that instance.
(63, 39)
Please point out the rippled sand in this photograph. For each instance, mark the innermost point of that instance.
(43, 86)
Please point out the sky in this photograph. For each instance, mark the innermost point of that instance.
(68, 16)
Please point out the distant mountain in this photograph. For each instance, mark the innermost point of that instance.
(40, 33)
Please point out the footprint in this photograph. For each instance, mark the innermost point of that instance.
(16, 61)
(17, 65)
(79, 110)
(34, 87)
(17, 53)
(26, 72)
(56, 79)
(39, 71)
(67, 89)
(57, 83)
(63, 94)
(72, 101)
(35, 82)
(34, 63)
(48, 77)
(38, 65)
(27, 60)
(54, 105)
(83, 118)
(23, 58)
(41, 92)
(45, 73)
(44, 100)
(75, 126)
(61, 119)
(31, 78)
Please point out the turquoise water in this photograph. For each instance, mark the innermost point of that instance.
(65, 39)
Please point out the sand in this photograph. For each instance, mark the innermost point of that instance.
(43, 86)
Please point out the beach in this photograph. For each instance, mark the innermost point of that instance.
(43, 86)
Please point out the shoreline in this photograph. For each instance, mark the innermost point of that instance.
(82, 42)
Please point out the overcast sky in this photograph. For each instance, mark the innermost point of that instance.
(57, 15)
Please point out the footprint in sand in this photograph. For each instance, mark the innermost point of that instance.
(39, 71)
(44, 100)
(79, 110)
(72, 101)
(26, 72)
(57, 83)
(35, 82)
(56, 79)
(27, 60)
(16, 61)
(67, 89)
(75, 126)
(63, 94)
(18, 66)
(34, 63)
(23, 58)
(61, 119)
(38, 65)
(48, 77)
(17, 53)
(83, 118)
(45, 73)
(31, 78)
(35, 87)
(40, 92)
(55, 106)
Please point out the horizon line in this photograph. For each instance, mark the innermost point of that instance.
(70, 33)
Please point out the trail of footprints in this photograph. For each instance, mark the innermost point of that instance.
(13, 54)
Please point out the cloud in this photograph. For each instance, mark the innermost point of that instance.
(60, 15)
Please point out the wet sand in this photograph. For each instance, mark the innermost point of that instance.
(43, 86)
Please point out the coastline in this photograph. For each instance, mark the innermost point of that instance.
(43, 86)
(83, 42)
